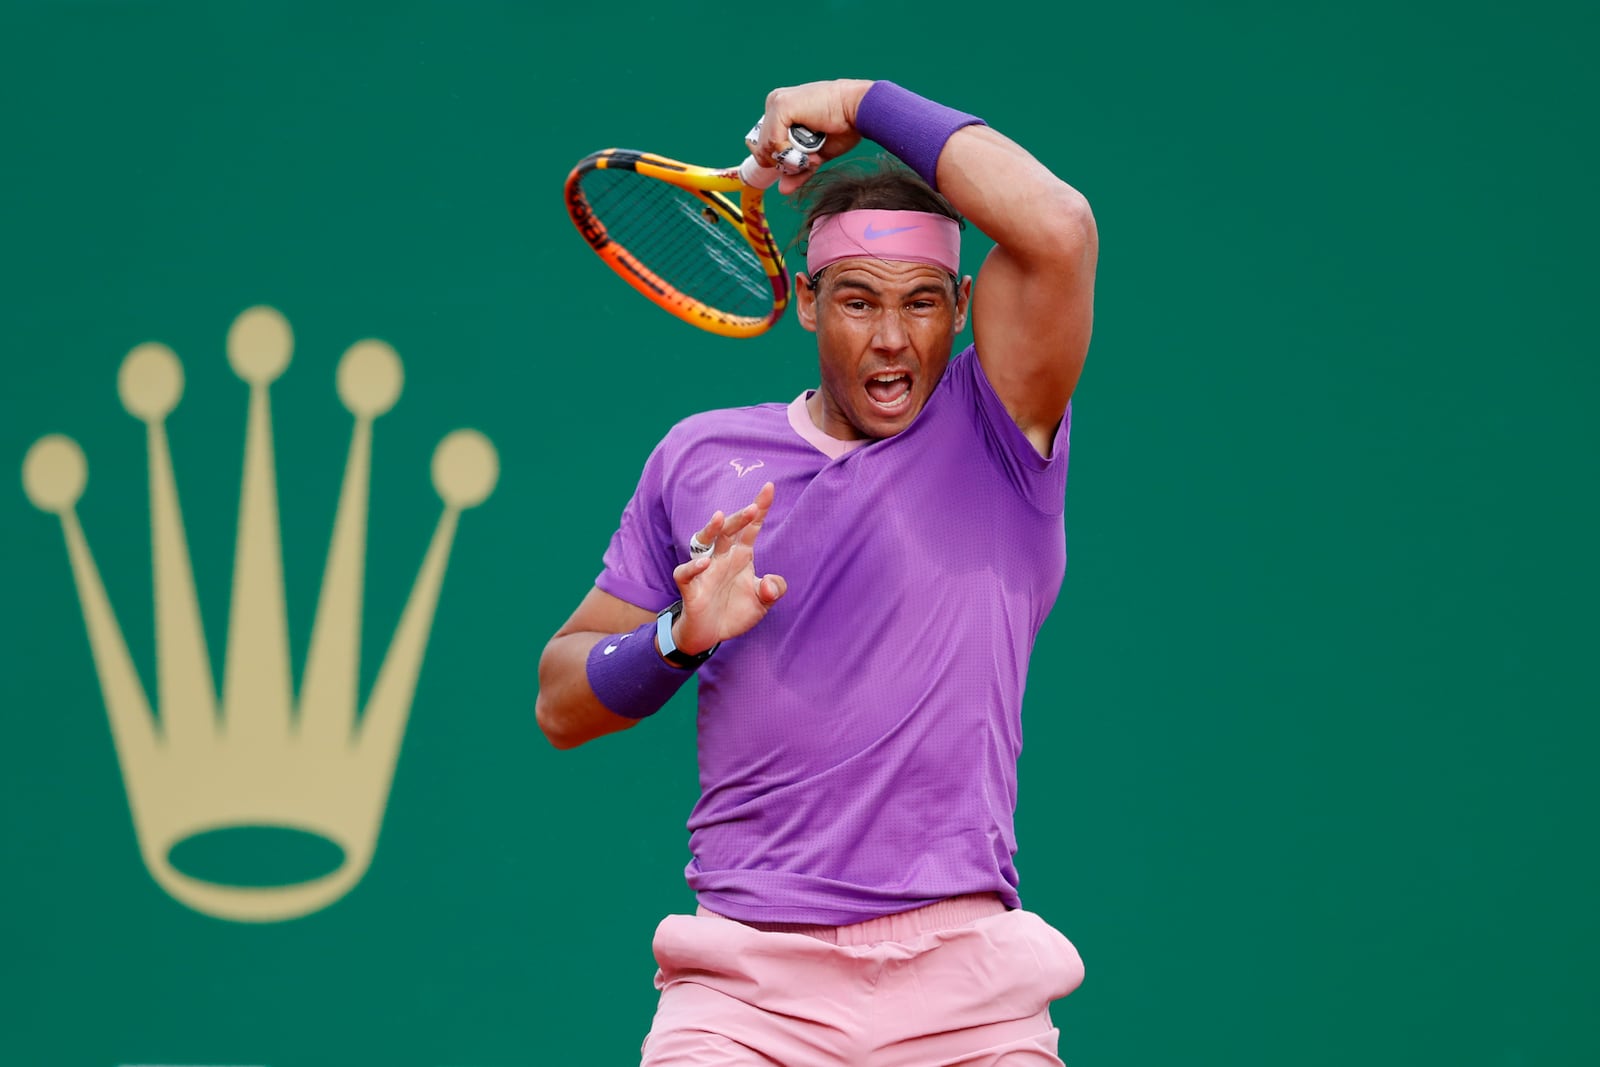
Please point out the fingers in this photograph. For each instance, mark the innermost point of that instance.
(818, 106)
(773, 135)
(708, 533)
(770, 588)
(762, 503)
(724, 533)
(734, 526)
(684, 574)
(824, 107)
(752, 515)
(758, 509)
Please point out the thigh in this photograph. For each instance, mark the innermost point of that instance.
(1037, 1049)
(700, 1048)
(698, 1024)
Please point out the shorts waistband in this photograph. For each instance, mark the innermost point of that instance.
(901, 926)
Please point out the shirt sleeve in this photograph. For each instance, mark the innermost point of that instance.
(1042, 480)
(638, 563)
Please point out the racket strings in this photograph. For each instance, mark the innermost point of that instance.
(681, 240)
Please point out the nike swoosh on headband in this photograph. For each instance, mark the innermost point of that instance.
(872, 234)
(886, 234)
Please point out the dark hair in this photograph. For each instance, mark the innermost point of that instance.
(882, 183)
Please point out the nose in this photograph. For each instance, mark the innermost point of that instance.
(891, 333)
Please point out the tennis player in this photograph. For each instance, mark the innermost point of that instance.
(857, 577)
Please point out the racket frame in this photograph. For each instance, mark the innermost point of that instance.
(710, 186)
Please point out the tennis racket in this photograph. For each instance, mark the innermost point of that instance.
(672, 232)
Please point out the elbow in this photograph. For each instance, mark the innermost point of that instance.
(547, 710)
(552, 723)
(1067, 227)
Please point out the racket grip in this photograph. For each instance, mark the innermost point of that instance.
(755, 175)
(792, 160)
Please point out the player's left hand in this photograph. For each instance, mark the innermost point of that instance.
(827, 107)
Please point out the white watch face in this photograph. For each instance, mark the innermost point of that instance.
(664, 634)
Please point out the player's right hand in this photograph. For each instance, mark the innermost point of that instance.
(722, 596)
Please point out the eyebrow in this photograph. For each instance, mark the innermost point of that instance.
(925, 287)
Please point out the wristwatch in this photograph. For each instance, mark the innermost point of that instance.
(670, 651)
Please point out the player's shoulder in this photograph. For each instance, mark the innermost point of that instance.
(953, 398)
(727, 425)
(963, 370)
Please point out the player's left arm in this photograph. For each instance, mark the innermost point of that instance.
(1033, 302)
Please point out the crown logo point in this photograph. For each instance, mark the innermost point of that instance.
(150, 382)
(260, 344)
(369, 379)
(465, 469)
(259, 755)
(54, 474)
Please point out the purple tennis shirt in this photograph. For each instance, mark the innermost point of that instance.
(858, 747)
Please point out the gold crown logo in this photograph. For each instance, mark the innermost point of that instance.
(258, 758)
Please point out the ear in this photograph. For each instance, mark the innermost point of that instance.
(963, 302)
(805, 301)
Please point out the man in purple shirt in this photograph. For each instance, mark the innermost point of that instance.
(860, 696)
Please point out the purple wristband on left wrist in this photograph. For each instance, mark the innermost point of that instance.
(914, 128)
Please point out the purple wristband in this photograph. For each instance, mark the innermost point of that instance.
(629, 676)
(913, 128)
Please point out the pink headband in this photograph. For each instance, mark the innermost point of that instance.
(916, 236)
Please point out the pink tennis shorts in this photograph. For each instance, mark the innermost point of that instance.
(962, 981)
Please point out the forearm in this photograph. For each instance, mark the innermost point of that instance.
(567, 709)
(995, 183)
(1000, 188)
(606, 668)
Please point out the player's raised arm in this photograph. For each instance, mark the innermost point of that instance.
(1033, 304)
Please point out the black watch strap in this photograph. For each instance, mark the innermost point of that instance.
(670, 651)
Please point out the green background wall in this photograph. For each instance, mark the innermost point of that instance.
(1310, 734)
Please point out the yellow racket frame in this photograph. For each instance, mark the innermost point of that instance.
(708, 184)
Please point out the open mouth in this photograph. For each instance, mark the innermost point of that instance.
(890, 392)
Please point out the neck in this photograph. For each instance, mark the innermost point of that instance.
(828, 421)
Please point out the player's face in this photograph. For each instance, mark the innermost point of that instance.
(885, 329)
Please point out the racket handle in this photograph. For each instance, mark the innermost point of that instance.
(792, 160)
(756, 176)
